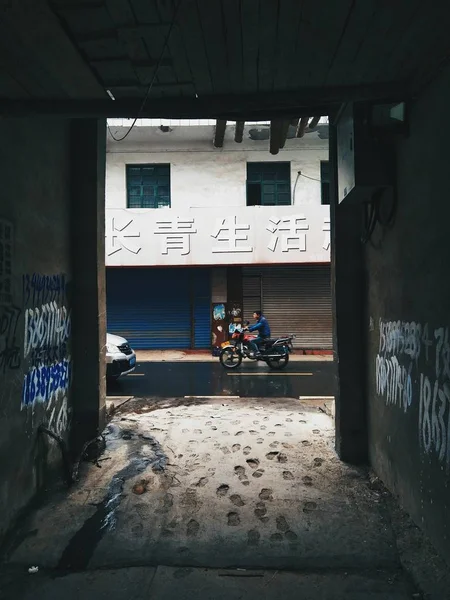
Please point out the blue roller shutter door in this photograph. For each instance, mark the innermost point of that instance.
(154, 308)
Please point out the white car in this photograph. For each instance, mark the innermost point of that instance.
(120, 358)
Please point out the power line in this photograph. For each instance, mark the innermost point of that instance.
(150, 85)
(312, 178)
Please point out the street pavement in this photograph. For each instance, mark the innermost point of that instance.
(180, 379)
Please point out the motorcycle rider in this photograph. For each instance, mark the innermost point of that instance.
(263, 329)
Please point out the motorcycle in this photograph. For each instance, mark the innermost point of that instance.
(275, 352)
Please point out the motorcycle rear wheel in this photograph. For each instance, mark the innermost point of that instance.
(279, 363)
(230, 358)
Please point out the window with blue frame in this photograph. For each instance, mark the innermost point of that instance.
(269, 184)
(148, 186)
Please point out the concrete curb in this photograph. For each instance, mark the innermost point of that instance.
(180, 356)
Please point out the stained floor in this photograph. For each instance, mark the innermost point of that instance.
(242, 483)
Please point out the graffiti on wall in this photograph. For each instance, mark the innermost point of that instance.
(43, 382)
(6, 258)
(10, 355)
(58, 413)
(47, 331)
(10, 351)
(40, 289)
(35, 334)
(47, 323)
(413, 371)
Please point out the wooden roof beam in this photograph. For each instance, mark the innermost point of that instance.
(302, 126)
(219, 134)
(125, 60)
(169, 107)
(127, 32)
(314, 122)
(239, 132)
(284, 131)
(142, 87)
(276, 126)
(77, 5)
(234, 107)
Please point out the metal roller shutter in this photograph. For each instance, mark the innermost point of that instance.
(157, 308)
(251, 292)
(296, 300)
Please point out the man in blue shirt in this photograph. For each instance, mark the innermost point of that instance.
(263, 329)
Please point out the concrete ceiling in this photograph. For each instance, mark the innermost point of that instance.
(238, 59)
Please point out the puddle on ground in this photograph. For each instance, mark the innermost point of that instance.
(81, 547)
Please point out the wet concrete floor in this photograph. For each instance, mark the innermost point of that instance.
(186, 486)
(172, 379)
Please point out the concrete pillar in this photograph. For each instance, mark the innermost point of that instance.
(88, 158)
(348, 293)
(234, 284)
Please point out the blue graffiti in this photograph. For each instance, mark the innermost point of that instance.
(39, 289)
(43, 381)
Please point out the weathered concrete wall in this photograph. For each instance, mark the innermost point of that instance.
(204, 176)
(88, 140)
(35, 310)
(209, 189)
(51, 284)
(408, 324)
(347, 283)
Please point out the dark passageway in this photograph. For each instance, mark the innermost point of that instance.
(265, 73)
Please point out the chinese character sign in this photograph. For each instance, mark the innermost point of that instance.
(206, 236)
(226, 233)
(176, 235)
(122, 237)
(288, 233)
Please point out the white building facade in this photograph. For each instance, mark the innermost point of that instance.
(199, 237)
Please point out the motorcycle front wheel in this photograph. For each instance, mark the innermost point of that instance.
(278, 363)
(230, 358)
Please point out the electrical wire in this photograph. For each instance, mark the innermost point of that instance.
(370, 220)
(373, 214)
(312, 178)
(386, 217)
(150, 85)
(300, 174)
(295, 187)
